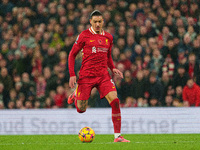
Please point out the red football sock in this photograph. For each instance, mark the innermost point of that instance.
(78, 110)
(116, 115)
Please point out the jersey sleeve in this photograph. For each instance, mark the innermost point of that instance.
(78, 45)
(110, 60)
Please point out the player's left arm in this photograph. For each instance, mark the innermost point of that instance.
(111, 64)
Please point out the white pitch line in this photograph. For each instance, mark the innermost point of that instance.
(93, 143)
(51, 143)
(166, 142)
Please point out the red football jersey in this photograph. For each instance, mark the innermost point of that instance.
(96, 53)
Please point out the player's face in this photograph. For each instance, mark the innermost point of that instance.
(97, 23)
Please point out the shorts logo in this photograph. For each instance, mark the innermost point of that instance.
(112, 83)
(94, 50)
(79, 94)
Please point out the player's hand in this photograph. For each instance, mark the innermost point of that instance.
(117, 72)
(72, 81)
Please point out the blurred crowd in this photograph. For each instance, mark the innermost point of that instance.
(156, 46)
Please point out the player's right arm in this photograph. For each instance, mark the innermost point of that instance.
(78, 45)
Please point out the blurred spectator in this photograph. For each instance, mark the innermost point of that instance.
(12, 95)
(168, 66)
(178, 93)
(6, 7)
(165, 35)
(192, 66)
(126, 84)
(141, 102)
(130, 102)
(170, 50)
(177, 103)
(27, 41)
(130, 43)
(3, 99)
(18, 88)
(28, 86)
(19, 104)
(139, 85)
(48, 103)
(40, 87)
(154, 90)
(18, 64)
(37, 62)
(154, 102)
(28, 105)
(115, 54)
(168, 101)
(149, 36)
(156, 62)
(181, 77)
(51, 80)
(138, 52)
(6, 79)
(11, 105)
(146, 62)
(191, 93)
(37, 105)
(167, 84)
(196, 49)
(60, 97)
(125, 61)
(186, 45)
(51, 58)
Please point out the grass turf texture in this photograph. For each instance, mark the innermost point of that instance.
(71, 142)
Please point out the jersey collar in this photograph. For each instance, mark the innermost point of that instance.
(93, 32)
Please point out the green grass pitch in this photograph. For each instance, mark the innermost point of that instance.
(101, 142)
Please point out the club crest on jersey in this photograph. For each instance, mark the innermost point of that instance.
(106, 41)
(100, 41)
(94, 50)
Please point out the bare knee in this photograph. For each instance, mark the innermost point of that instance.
(111, 96)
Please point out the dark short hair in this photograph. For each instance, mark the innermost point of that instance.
(95, 13)
(181, 67)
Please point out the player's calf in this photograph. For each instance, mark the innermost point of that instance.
(81, 105)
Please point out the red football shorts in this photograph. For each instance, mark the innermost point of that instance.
(104, 85)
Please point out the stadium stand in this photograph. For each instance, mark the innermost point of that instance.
(156, 46)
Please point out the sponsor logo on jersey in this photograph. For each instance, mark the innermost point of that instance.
(101, 49)
(94, 50)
